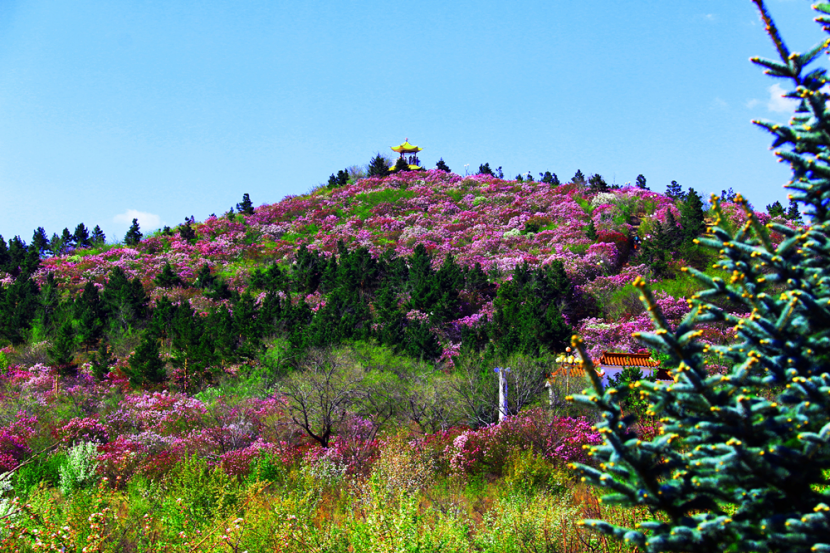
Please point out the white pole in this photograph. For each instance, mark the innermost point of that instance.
(502, 394)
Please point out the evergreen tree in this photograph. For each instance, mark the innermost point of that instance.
(67, 239)
(519, 178)
(546, 177)
(378, 167)
(124, 301)
(641, 182)
(5, 257)
(776, 209)
(167, 278)
(40, 241)
(674, 191)
(133, 236)
(442, 166)
(727, 195)
(692, 217)
(62, 350)
(742, 459)
(102, 361)
(98, 237)
(89, 312)
(245, 206)
(56, 246)
(591, 230)
(18, 307)
(578, 177)
(81, 236)
(145, 366)
(597, 184)
(485, 170)
(186, 231)
(401, 165)
(793, 214)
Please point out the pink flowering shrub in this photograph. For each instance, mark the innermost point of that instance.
(14, 441)
(487, 450)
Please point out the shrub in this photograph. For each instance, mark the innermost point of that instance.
(80, 468)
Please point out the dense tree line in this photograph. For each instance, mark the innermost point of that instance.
(404, 303)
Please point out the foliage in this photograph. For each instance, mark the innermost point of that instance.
(742, 457)
(134, 235)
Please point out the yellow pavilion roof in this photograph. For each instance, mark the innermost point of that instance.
(411, 168)
(406, 148)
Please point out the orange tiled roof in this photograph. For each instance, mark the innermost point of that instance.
(569, 370)
(628, 360)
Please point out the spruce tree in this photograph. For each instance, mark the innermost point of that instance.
(145, 366)
(674, 191)
(775, 209)
(546, 177)
(245, 206)
(742, 459)
(186, 231)
(68, 239)
(378, 167)
(62, 350)
(641, 182)
(578, 177)
(597, 184)
(81, 236)
(691, 216)
(485, 170)
(793, 214)
(442, 166)
(98, 237)
(591, 230)
(167, 278)
(102, 361)
(133, 236)
(555, 180)
(40, 241)
(401, 165)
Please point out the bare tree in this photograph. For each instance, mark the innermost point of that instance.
(322, 392)
(477, 386)
(431, 400)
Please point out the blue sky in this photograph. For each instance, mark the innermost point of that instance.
(163, 109)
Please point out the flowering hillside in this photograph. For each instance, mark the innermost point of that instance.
(294, 344)
(479, 220)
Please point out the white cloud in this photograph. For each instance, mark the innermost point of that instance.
(147, 221)
(752, 103)
(721, 103)
(777, 102)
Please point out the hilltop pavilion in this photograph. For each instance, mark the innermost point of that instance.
(409, 154)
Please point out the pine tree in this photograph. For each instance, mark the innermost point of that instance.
(62, 349)
(641, 182)
(776, 209)
(591, 230)
(5, 258)
(133, 236)
(485, 170)
(401, 165)
(245, 206)
(597, 184)
(555, 180)
(186, 231)
(167, 278)
(81, 236)
(145, 365)
(578, 177)
(742, 460)
(793, 214)
(674, 191)
(102, 361)
(67, 239)
(442, 166)
(546, 177)
(378, 167)
(98, 237)
(40, 241)
(691, 216)
(88, 309)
